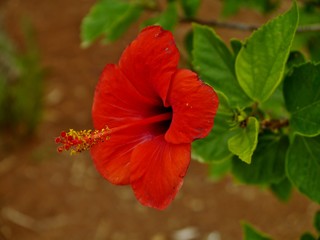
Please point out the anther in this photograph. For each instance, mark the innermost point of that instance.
(63, 134)
(78, 141)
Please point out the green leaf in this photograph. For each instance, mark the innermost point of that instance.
(261, 61)
(109, 18)
(236, 46)
(268, 161)
(274, 107)
(307, 236)
(147, 4)
(303, 165)
(9, 73)
(231, 7)
(215, 65)
(296, 58)
(188, 43)
(309, 13)
(214, 147)
(302, 98)
(252, 234)
(245, 139)
(118, 28)
(167, 19)
(27, 94)
(282, 189)
(314, 48)
(316, 221)
(308, 16)
(217, 170)
(190, 7)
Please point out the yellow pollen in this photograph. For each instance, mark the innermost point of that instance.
(78, 141)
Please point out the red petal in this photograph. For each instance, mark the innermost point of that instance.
(112, 158)
(150, 61)
(194, 105)
(110, 164)
(117, 103)
(157, 171)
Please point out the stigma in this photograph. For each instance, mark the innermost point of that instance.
(78, 141)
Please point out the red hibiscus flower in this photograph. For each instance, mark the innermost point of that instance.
(149, 111)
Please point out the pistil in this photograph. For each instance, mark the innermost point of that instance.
(78, 141)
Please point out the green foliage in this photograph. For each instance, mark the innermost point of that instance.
(296, 58)
(245, 139)
(190, 7)
(167, 19)
(307, 236)
(20, 85)
(236, 46)
(261, 62)
(231, 7)
(7, 76)
(215, 64)
(282, 190)
(274, 107)
(314, 48)
(219, 169)
(215, 146)
(268, 161)
(301, 92)
(188, 44)
(28, 109)
(280, 109)
(252, 234)
(303, 165)
(309, 13)
(109, 18)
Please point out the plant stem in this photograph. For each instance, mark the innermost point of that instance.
(244, 26)
(274, 124)
(219, 24)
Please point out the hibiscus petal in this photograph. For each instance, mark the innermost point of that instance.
(194, 105)
(112, 158)
(157, 171)
(150, 61)
(111, 165)
(117, 103)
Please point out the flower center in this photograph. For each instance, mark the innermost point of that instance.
(78, 141)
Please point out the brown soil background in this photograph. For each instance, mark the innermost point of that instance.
(46, 196)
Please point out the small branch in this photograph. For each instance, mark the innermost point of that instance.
(274, 124)
(309, 28)
(246, 27)
(228, 25)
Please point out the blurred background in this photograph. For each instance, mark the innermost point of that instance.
(47, 83)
